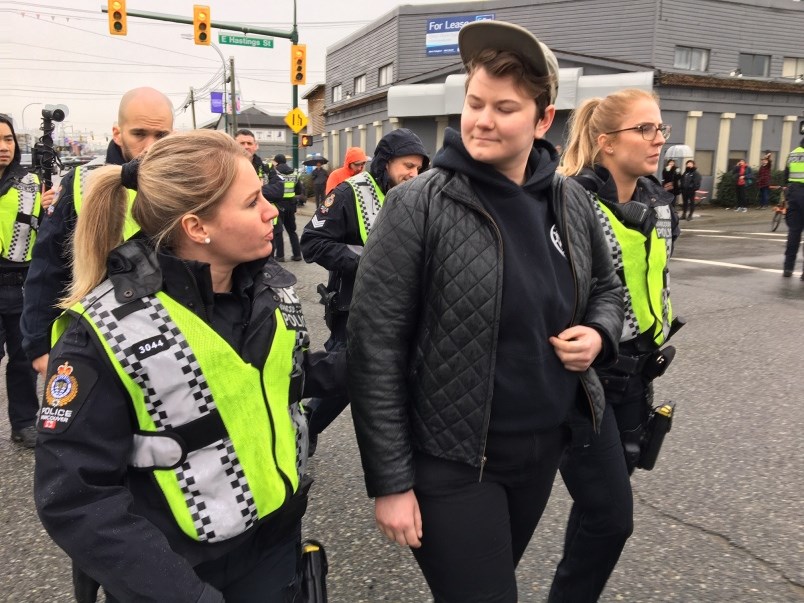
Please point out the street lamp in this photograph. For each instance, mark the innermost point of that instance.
(23, 113)
(223, 63)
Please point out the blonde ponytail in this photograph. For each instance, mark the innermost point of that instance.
(99, 229)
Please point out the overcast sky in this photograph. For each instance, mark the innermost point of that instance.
(62, 52)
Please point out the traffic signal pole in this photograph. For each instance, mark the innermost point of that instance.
(292, 35)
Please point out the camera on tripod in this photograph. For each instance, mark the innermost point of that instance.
(44, 157)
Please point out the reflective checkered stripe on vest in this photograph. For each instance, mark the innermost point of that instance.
(648, 312)
(80, 181)
(795, 162)
(238, 456)
(368, 199)
(290, 184)
(20, 209)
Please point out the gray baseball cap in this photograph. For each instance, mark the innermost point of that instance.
(477, 36)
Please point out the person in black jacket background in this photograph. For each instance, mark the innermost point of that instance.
(690, 183)
(335, 236)
(671, 179)
(473, 327)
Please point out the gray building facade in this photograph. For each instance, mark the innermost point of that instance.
(729, 74)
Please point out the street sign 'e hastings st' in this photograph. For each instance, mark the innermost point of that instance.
(246, 41)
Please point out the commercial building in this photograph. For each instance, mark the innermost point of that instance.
(730, 74)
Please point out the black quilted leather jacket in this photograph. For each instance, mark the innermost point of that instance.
(425, 315)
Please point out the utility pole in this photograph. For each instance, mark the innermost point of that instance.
(234, 97)
(192, 105)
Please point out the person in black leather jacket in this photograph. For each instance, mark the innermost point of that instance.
(172, 448)
(483, 297)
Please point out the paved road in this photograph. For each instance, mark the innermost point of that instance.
(717, 520)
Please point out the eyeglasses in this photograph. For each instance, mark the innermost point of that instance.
(649, 131)
(359, 163)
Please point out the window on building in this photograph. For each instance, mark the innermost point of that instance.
(337, 93)
(704, 161)
(754, 64)
(386, 75)
(792, 67)
(360, 84)
(693, 59)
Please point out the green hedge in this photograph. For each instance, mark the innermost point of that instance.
(726, 189)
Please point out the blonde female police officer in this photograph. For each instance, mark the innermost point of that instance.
(172, 451)
(613, 149)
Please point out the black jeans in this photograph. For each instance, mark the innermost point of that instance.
(475, 532)
(20, 376)
(601, 519)
(287, 222)
(688, 203)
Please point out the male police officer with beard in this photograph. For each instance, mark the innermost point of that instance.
(335, 237)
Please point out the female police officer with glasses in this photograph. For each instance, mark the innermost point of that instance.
(613, 149)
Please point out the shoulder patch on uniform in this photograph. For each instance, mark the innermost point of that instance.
(329, 200)
(66, 391)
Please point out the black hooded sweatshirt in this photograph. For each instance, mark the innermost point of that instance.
(532, 389)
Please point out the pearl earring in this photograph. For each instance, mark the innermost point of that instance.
(207, 241)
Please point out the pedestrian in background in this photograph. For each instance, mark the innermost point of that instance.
(172, 449)
(484, 295)
(319, 177)
(671, 179)
(794, 218)
(272, 185)
(21, 205)
(614, 148)
(743, 178)
(764, 181)
(292, 195)
(335, 236)
(690, 183)
(354, 162)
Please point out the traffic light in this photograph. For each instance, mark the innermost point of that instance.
(298, 64)
(201, 24)
(117, 17)
(305, 140)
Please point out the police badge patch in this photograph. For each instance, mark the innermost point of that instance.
(65, 393)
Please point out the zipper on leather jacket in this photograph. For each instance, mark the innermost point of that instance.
(487, 413)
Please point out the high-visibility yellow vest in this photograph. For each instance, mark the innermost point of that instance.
(795, 163)
(642, 264)
(184, 378)
(290, 184)
(79, 188)
(20, 209)
(368, 201)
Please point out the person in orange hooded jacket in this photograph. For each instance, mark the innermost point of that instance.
(353, 163)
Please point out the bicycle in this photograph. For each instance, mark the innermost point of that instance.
(779, 210)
